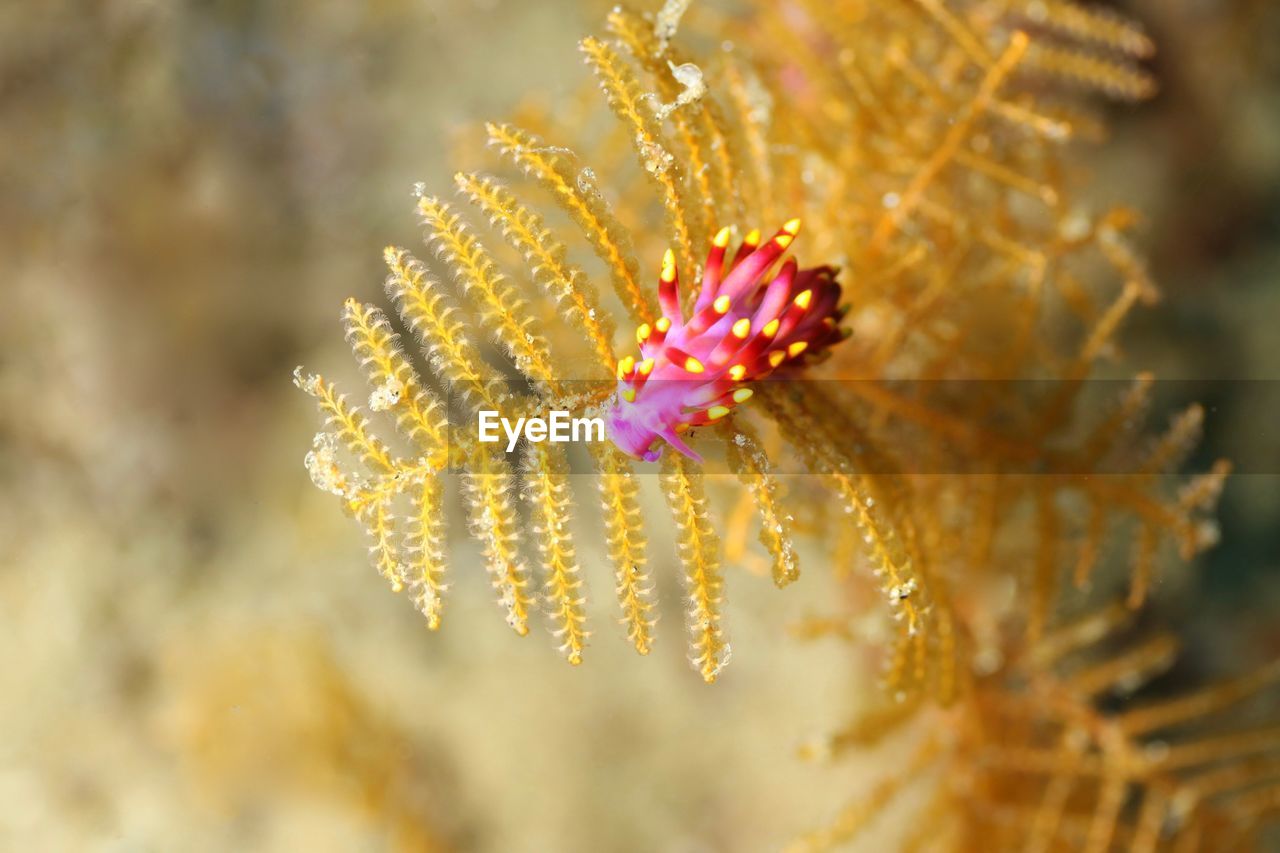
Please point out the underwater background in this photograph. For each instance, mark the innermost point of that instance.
(195, 655)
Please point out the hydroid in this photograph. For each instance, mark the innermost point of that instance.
(915, 160)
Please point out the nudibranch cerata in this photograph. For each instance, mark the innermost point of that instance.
(744, 325)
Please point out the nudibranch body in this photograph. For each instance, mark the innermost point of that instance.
(744, 326)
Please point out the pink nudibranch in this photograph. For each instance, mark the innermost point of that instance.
(743, 326)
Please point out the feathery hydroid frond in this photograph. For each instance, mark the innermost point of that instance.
(546, 474)
(699, 550)
(1117, 78)
(922, 144)
(347, 422)
(419, 415)
(628, 101)
(501, 307)
(1034, 757)
(680, 89)
(545, 255)
(423, 569)
(571, 185)
(890, 561)
(431, 315)
(748, 461)
(1089, 24)
(924, 152)
(746, 132)
(624, 530)
(489, 486)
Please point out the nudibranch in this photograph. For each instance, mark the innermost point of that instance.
(744, 325)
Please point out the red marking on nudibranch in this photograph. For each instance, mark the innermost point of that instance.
(744, 325)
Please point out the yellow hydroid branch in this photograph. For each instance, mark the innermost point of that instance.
(624, 530)
(559, 171)
(432, 316)
(546, 472)
(546, 257)
(489, 487)
(627, 100)
(699, 549)
(502, 308)
(419, 415)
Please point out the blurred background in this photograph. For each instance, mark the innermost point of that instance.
(194, 653)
